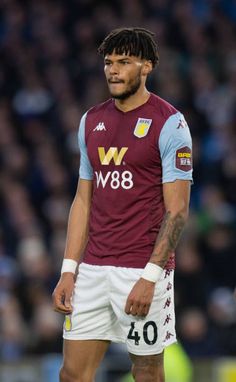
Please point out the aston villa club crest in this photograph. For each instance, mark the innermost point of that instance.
(67, 324)
(142, 127)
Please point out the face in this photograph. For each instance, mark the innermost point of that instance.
(123, 74)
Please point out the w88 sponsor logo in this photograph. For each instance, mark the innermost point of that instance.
(115, 179)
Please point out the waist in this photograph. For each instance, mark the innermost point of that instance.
(127, 260)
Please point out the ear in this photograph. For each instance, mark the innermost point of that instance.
(147, 67)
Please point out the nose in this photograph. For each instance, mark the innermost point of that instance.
(113, 68)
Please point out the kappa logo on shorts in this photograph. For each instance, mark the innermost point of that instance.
(167, 320)
(168, 336)
(142, 127)
(167, 272)
(167, 303)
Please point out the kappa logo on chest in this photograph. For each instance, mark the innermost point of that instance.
(100, 127)
(142, 127)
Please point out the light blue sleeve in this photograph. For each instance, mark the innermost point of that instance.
(85, 170)
(175, 145)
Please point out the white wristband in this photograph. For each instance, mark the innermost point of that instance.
(152, 272)
(69, 265)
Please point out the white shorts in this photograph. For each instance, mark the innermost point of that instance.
(99, 300)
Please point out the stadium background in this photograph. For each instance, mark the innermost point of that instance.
(50, 75)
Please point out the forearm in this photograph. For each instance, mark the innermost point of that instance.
(168, 237)
(78, 222)
(77, 236)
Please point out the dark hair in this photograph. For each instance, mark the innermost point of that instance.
(134, 41)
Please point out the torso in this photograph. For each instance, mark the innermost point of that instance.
(127, 204)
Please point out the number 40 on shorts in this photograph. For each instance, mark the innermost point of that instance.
(149, 335)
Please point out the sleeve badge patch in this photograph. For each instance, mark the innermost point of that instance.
(183, 159)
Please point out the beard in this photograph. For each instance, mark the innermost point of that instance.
(131, 89)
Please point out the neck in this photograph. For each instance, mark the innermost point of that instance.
(134, 101)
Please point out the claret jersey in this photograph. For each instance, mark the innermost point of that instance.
(128, 156)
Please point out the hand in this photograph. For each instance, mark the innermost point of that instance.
(140, 298)
(63, 292)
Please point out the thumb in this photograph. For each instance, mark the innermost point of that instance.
(67, 301)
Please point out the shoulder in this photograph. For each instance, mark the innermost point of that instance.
(162, 108)
(98, 109)
(95, 117)
(172, 121)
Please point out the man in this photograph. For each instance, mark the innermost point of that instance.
(128, 213)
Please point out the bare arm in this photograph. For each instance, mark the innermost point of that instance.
(176, 198)
(77, 236)
(77, 231)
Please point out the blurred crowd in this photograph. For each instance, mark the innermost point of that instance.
(50, 74)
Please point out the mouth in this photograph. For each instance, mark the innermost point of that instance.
(115, 81)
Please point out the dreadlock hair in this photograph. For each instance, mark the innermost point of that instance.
(133, 41)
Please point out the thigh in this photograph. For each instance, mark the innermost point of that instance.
(149, 368)
(82, 358)
(147, 335)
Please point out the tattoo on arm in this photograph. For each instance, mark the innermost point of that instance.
(167, 238)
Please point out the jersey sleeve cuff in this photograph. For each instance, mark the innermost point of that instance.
(173, 179)
(85, 176)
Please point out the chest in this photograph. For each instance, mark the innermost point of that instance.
(115, 139)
